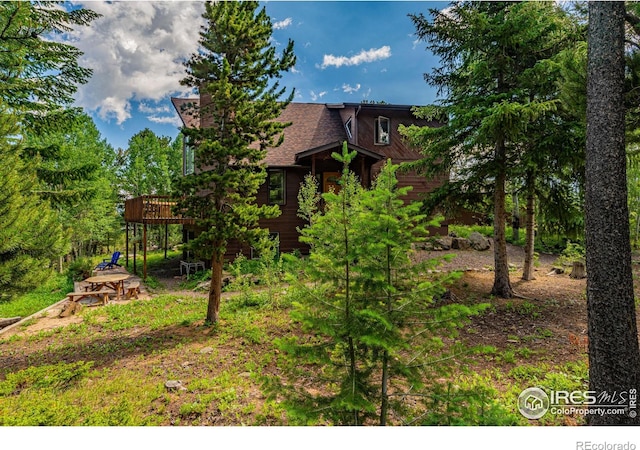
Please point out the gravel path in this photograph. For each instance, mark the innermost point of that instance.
(473, 259)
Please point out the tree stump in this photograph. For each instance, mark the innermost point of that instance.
(69, 309)
(578, 271)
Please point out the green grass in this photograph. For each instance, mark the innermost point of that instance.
(111, 368)
(49, 293)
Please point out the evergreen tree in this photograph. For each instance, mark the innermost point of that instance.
(614, 356)
(488, 52)
(370, 311)
(38, 74)
(75, 168)
(30, 234)
(235, 71)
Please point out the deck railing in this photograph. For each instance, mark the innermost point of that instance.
(152, 209)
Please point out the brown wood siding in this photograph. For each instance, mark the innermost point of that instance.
(288, 220)
(396, 149)
(285, 225)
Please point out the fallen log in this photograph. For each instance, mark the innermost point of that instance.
(9, 321)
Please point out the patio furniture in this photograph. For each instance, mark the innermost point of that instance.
(102, 294)
(133, 289)
(114, 281)
(109, 264)
(188, 265)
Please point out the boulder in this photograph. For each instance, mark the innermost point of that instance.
(460, 244)
(479, 242)
(174, 385)
(444, 242)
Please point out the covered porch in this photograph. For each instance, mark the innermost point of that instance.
(149, 210)
(328, 170)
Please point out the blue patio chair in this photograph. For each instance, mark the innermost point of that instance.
(109, 264)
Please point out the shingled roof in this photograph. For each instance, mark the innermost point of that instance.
(187, 110)
(313, 126)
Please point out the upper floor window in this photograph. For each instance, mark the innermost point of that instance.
(277, 185)
(382, 127)
(347, 126)
(189, 159)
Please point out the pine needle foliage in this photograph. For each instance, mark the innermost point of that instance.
(492, 57)
(371, 315)
(236, 73)
(30, 235)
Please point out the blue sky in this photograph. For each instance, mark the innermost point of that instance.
(346, 52)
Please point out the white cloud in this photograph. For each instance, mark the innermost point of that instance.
(172, 120)
(365, 56)
(136, 50)
(315, 96)
(145, 108)
(348, 89)
(282, 24)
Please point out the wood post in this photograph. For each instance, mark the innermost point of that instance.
(144, 252)
(135, 244)
(127, 244)
(166, 238)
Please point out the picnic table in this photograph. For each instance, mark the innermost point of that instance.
(113, 281)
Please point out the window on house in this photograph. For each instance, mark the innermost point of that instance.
(382, 131)
(276, 183)
(347, 126)
(189, 159)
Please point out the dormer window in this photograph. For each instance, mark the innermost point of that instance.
(347, 126)
(382, 128)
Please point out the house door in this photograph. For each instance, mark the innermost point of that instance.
(330, 182)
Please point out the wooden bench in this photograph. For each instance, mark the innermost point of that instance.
(102, 293)
(133, 289)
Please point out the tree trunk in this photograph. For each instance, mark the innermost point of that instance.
(527, 272)
(215, 290)
(515, 226)
(501, 283)
(614, 357)
(578, 271)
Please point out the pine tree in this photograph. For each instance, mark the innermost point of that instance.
(39, 74)
(30, 234)
(489, 52)
(235, 72)
(614, 357)
(370, 312)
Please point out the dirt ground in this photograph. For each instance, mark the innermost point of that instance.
(549, 315)
(548, 318)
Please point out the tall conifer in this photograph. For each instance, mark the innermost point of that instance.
(30, 234)
(235, 72)
(489, 52)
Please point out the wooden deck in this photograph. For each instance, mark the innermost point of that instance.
(152, 209)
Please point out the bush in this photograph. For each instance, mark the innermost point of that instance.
(572, 252)
(80, 269)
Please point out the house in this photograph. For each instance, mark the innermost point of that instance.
(317, 130)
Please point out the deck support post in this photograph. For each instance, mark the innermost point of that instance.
(126, 225)
(144, 252)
